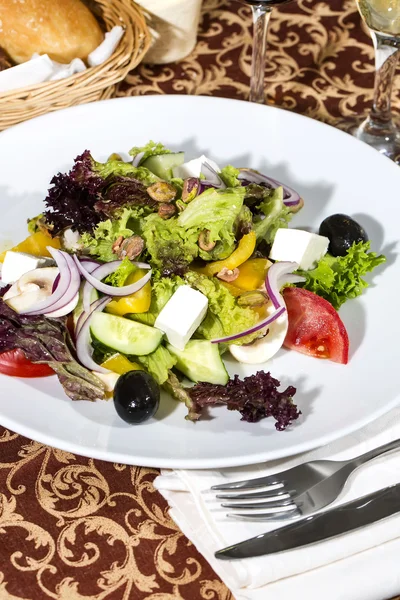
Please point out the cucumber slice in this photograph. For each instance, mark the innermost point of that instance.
(200, 361)
(162, 164)
(79, 307)
(124, 336)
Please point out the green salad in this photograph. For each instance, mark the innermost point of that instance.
(145, 275)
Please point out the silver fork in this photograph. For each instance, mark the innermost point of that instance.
(296, 492)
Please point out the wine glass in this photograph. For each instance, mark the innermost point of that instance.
(261, 15)
(382, 17)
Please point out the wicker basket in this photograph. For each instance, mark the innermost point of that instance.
(96, 83)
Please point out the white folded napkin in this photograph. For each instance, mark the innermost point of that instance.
(363, 564)
(107, 47)
(32, 72)
(41, 68)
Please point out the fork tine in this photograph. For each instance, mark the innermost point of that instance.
(275, 493)
(249, 483)
(286, 515)
(257, 505)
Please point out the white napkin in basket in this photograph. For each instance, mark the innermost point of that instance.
(364, 564)
(41, 68)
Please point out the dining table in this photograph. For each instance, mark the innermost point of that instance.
(79, 528)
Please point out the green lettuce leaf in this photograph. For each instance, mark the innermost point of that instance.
(229, 176)
(213, 209)
(244, 222)
(150, 149)
(171, 247)
(217, 211)
(158, 363)
(107, 232)
(275, 215)
(117, 168)
(120, 275)
(224, 317)
(174, 387)
(178, 183)
(338, 279)
(35, 224)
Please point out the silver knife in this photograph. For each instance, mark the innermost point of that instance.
(322, 526)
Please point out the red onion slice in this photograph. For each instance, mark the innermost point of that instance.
(55, 284)
(291, 197)
(261, 325)
(90, 265)
(211, 175)
(84, 350)
(100, 272)
(67, 288)
(279, 274)
(103, 271)
(80, 322)
(137, 159)
(85, 314)
(86, 296)
(65, 310)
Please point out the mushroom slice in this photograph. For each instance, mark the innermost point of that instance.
(263, 349)
(31, 288)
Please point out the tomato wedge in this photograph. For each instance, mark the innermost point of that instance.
(14, 363)
(315, 327)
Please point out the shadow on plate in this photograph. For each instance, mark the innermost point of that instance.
(373, 229)
(376, 234)
(316, 194)
(354, 317)
(16, 209)
(304, 398)
(167, 406)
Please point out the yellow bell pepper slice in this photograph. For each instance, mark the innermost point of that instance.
(235, 291)
(252, 274)
(35, 244)
(139, 302)
(120, 364)
(242, 253)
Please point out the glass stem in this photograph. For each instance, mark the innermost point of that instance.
(386, 55)
(261, 17)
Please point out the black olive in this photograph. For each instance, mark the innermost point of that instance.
(343, 232)
(136, 397)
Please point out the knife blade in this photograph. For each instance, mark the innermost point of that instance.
(322, 526)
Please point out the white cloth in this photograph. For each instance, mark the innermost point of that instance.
(32, 72)
(41, 68)
(61, 71)
(107, 47)
(361, 565)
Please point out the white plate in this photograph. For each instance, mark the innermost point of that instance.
(332, 171)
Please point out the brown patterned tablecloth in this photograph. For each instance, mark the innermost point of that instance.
(78, 529)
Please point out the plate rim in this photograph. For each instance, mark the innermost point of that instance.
(248, 459)
(196, 98)
(192, 463)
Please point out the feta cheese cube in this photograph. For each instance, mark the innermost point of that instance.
(17, 264)
(193, 167)
(182, 315)
(302, 247)
(71, 239)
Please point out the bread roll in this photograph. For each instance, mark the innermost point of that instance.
(5, 61)
(63, 29)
